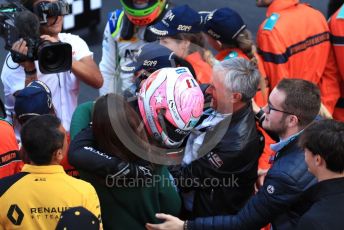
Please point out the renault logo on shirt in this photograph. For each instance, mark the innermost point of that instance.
(15, 214)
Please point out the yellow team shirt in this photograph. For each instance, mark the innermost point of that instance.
(37, 200)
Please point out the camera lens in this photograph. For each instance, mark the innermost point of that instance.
(54, 57)
(51, 57)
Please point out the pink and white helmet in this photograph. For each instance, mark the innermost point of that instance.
(171, 103)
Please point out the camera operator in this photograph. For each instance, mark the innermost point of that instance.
(64, 85)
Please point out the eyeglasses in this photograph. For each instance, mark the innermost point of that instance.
(269, 107)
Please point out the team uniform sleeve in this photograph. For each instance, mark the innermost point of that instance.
(329, 83)
(336, 26)
(83, 155)
(81, 118)
(269, 49)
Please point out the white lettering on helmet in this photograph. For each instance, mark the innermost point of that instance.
(182, 132)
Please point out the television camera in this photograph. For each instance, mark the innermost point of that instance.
(16, 22)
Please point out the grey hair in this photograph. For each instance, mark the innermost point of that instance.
(240, 75)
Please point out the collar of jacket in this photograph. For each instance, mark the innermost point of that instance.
(291, 144)
(325, 188)
(44, 169)
(233, 116)
(282, 143)
(279, 5)
(242, 112)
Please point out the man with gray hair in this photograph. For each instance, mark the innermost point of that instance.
(226, 145)
(292, 107)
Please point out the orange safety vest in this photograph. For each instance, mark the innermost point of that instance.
(260, 99)
(336, 25)
(202, 69)
(294, 42)
(10, 162)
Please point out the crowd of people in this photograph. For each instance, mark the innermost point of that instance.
(197, 126)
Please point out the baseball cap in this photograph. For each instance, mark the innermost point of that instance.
(34, 99)
(181, 19)
(223, 24)
(151, 57)
(78, 218)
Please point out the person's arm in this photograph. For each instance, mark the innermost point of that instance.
(171, 223)
(81, 118)
(87, 71)
(278, 193)
(18, 52)
(269, 50)
(83, 65)
(337, 39)
(84, 156)
(329, 86)
(108, 62)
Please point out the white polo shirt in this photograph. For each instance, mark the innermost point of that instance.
(64, 86)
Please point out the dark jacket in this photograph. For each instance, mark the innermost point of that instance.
(128, 203)
(326, 211)
(283, 186)
(224, 178)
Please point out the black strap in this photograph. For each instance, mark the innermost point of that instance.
(127, 30)
(7, 182)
